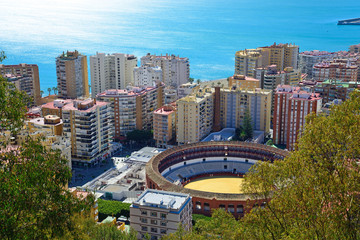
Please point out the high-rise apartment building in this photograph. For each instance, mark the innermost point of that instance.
(246, 61)
(146, 75)
(72, 75)
(164, 125)
(111, 71)
(87, 124)
(25, 71)
(308, 59)
(234, 102)
(132, 108)
(175, 70)
(338, 69)
(291, 107)
(157, 213)
(194, 116)
(281, 55)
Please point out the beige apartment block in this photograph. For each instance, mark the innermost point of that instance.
(164, 125)
(87, 124)
(132, 108)
(72, 75)
(281, 55)
(28, 72)
(246, 61)
(234, 102)
(194, 116)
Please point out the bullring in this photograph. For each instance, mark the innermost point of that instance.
(172, 169)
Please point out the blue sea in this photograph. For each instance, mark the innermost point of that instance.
(207, 32)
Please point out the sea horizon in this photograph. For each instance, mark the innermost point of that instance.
(207, 32)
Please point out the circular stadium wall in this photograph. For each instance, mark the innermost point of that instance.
(174, 170)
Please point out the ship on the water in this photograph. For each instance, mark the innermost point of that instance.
(353, 21)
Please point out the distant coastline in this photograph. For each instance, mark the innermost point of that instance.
(352, 21)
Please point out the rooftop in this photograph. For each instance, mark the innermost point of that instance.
(225, 134)
(162, 199)
(145, 154)
(129, 92)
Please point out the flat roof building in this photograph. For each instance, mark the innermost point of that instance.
(159, 213)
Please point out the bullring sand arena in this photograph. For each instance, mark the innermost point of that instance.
(221, 184)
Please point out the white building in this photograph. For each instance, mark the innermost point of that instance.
(308, 59)
(111, 71)
(159, 213)
(175, 70)
(146, 75)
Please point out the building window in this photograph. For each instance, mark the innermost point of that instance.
(154, 237)
(163, 216)
(231, 208)
(204, 159)
(153, 222)
(163, 223)
(163, 231)
(206, 207)
(154, 214)
(143, 212)
(184, 163)
(198, 205)
(154, 230)
(240, 209)
(225, 166)
(143, 220)
(144, 228)
(222, 206)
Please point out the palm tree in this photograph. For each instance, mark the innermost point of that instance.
(56, 90)
(49, 89)
(41, 93)
(198, 81)
(53, 88)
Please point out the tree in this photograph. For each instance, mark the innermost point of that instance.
(198, 81)
(34, 201)
(191, 80)
(247, 125)
(314, 193)
(12, 105)
(49, 90)
(41, 93)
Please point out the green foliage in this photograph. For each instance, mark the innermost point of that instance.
(34, 201)
(270, 142)
(12, 107)
(113, 208)
(191, 80)
(197, 217)
(109, 232)
(222, 225)
(139, 136)
(312, 194)
(315, 191)
(247, 132)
